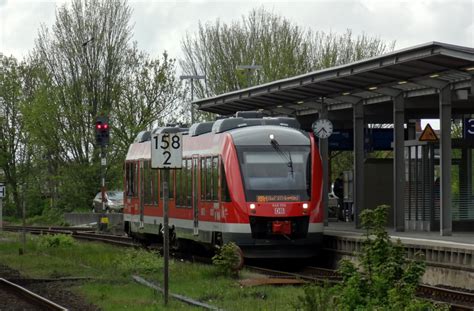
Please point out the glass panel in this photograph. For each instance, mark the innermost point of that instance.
(189, 189)
(203, 178)
(209, 185)
(215, 178)
(271, 174)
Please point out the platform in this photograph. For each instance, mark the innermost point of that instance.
(449, 259)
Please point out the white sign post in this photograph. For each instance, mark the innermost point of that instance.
(2, 195)
(166, 153)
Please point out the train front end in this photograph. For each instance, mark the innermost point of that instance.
(276, 186)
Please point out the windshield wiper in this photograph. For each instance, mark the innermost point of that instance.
(287, 159)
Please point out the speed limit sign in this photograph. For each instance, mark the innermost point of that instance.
(166, 150)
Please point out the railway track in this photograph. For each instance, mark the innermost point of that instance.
(46, 229)
(459, 300)
(26, 296)
(79, 233)
(107, 238)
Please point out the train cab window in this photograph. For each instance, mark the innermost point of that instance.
(131, 179)
(276, 174)
(171, 182)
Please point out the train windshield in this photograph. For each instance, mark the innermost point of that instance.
(276, 174)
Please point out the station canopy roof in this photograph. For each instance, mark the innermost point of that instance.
(416, 71)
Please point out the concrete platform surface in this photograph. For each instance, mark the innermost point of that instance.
(460, 240)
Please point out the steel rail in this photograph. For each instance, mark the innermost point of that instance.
(458, 300)
(107, 238)
(29, 296)
(310, 274)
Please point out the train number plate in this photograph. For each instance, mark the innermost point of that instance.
(279, 211)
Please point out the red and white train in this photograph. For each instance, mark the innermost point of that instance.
(254, 181)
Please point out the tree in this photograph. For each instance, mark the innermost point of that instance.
(12, 134)
(263, 38)
(86, 66)
(149, 96)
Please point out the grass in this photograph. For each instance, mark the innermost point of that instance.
(113, 289)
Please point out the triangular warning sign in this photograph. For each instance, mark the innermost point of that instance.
(428, 134)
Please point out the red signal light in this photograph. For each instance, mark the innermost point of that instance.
(105, 126)
(98, 126)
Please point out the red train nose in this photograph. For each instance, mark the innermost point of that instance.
(281, 227)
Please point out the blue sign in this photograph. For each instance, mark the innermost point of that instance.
(469, 129)
(375, 139)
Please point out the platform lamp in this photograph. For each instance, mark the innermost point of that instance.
(192, 78)
(249, 69)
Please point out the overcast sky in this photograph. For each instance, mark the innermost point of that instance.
(160, 25)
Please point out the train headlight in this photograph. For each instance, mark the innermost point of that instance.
(305, 205)
(252, 206)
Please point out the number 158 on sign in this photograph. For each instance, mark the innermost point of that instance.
(166, 150)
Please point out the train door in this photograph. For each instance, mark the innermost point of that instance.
(195, 195)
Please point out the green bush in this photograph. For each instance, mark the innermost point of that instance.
(228, 259)
(57, 240)
(384, 279)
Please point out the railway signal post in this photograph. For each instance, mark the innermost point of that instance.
(166, 154)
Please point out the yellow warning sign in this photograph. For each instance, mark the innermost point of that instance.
(428, 134)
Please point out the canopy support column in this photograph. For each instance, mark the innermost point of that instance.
(445, 160)
(323, 148)
(358, 110)
(398, 162)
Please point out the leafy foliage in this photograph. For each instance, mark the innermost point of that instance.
(228, 259)
(263, 38)
(383, 280)
(317, 298)
(83, 66)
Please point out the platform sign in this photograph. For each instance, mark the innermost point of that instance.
(167, 150)
(2, 190)
(469, 129)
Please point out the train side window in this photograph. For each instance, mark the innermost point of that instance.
(215, 178)
(203, 179)
(131, 177)
(181, 185)
(154, 186)
(209, 185)
(127, 179)
(184, 183)
(189, 183)
(171, 184)
(148, 182)
(225, 197)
